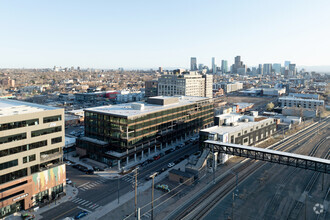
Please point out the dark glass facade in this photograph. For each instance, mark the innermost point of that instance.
(124, 133)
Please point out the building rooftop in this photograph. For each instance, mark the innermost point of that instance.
(130, 109)
(14, 107)
(299, 99)
(230, 129)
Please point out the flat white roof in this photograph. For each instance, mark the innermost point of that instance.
(230, 129)
(316, 159)
(126, 110)
(14, 107)
(299, 99)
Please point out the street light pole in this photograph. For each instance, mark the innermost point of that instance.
(152, 195)
(118, 188)
(136, 173)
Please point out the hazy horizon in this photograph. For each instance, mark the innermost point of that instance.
(135, 34)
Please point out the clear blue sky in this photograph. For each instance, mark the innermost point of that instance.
(143, 33)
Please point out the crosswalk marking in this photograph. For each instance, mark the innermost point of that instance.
(86, 203)
(89, 185)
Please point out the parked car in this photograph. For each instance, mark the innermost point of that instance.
(68, 181)
(90, 171)
(144, 163)
(98, 169)
(81, 215)
(171, 165)
(163, 187)
(156, 157)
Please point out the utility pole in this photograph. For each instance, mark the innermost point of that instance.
(136, 173)
(213, 164)
(118, 188)
(152, 195)
(232, 208)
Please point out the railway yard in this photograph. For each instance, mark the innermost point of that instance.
(264, 191)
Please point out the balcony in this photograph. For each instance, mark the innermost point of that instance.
(46, 157)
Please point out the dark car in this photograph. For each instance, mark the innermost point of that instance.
(81, 215)
(75, 166)
(98, 169)
(144, 163)
(168, 151)
(90, 171)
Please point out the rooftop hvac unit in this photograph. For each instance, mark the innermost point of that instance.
(137, 106)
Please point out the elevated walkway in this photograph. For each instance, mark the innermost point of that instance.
(273, 156)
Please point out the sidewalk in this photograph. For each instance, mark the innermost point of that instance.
(71, 193)
(114, 173)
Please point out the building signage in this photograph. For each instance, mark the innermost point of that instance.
(20, 197)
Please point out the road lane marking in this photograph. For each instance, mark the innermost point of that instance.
(83, 184)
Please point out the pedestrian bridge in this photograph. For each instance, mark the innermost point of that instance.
(273, 156)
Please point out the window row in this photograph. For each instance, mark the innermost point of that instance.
(18, 124)
(52, 118)
(8, 164)
(11, 138)
(13, 175)
(19, 149)
(46, 131)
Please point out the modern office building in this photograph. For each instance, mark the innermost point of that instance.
(151, 88)
(239, 129)
(193, 63)
(287, 64)
(291, 101)
(214, 67)
(260, 69)
(224, 66)
(119, 134)
(187, 84)
(31, 166)
(277, 67)
(228, 86)
(267, 69)
(238, 65)
(292, 69)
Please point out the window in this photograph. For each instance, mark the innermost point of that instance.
(29, 158)
(56, 140)
(239, 134)
(18, 124)
(52, 118)
(11, 138)
(8, 164)
(46, 131)
(13, 150)
(13, 175)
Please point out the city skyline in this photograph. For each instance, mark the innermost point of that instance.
(149, 34)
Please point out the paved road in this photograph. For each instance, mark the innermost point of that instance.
(96, 191)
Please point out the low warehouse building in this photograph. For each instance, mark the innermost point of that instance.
(181, 177)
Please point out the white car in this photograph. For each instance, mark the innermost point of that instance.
(171, 165)
(68, 181)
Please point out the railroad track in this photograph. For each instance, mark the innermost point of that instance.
(284, 146)
(276, 199)
(312, 180)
